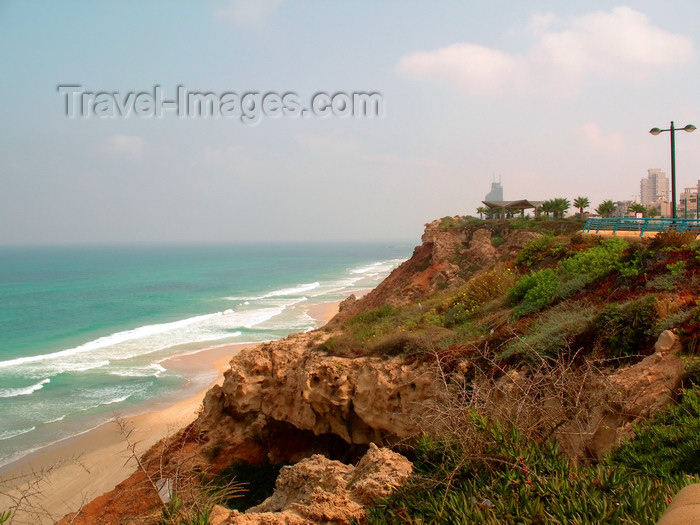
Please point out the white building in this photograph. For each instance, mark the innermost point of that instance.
(654, 188)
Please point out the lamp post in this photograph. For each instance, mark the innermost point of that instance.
(656, 131)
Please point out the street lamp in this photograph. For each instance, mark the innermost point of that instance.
(656, 131)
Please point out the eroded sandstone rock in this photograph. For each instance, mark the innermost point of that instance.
(319, 490)
(363, 400)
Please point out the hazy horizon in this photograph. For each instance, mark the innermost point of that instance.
(554, 100)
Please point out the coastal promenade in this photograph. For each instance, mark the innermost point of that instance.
(639, 227)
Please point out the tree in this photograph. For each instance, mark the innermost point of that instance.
(635, 208)
(651, 211)
(481, 210)
(581, 203)
(560, 206)
(547, 207)
(606, 208)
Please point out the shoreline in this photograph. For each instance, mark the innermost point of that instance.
(65, 475)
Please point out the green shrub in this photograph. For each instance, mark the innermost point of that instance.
(597, 261)
(511, 480)
(453, 223)
(534, 291)
(667, 444)
(522, 223)
(555, 331)
(448, 223)
(677, 268)
(628, 328)
(571, 285)
(373, 316)
(535, 250)
(497, 240)
(481, 288)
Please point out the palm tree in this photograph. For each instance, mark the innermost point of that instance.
(581, 203)
(635, 208)
(606, 208)
(560, 205)
(547, 207)
(481, 210)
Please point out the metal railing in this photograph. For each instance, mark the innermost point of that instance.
(648, 225)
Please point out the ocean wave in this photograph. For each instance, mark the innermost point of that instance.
(378, 267)
(365, 269)
(283, 292)
(92, 366)
(8, 434)
(110, 340)
(152, 370)
(14, 392)
(292, 291)
(115, 400)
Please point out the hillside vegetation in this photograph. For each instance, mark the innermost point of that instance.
(531, 374)
(525, 347)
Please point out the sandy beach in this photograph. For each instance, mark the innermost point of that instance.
(61, 477)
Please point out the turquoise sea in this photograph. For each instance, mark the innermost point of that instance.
(85, 331)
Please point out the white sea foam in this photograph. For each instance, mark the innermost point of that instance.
(372, 266)
(110, 340)
(7, 434)
(292, 291)
(283, 292)
(92, 366)
(152, 370)
(14, 392)
(116, 400)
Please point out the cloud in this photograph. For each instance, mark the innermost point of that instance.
(594, 138)
(621, 44)
(130, 146)
(245, 12)
(477, 68)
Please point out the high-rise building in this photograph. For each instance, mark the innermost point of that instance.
(654, 188)
(496, 193)
(688, 204)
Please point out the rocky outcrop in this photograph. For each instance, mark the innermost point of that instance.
(318, 490)
(362, 400)
(445, 244)
(347, 302)
(442, 261)
(480, 250)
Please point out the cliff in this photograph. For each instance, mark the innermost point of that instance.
(444, 260)
(300, 397)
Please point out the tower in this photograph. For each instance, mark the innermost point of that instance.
(496, 193)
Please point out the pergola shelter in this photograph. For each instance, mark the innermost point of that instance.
(505, 208)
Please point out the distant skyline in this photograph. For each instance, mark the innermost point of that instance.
(557, 98)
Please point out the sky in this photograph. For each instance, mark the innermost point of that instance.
(553, 98)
